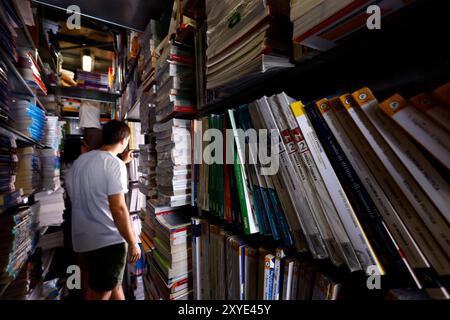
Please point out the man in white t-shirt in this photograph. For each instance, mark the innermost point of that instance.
(101, 225)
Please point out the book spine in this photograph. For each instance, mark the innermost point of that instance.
(287, 278)
(433, 109)
(268, 276)
(389, 172)
(342, 204)
(242, 279)
(413, 191)
(419, 127)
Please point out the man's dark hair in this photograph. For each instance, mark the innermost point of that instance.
(114, 131)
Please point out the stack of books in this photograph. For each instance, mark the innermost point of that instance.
(52, 132)
(173, 171)
(322, 25)
(18, 231)
(51, 167)
(9, 195)
(28, 118)
(245, 41)
(30, 70)
(147, 169)
(8, 22)
(4, 90)
(92, 81)
(28, 175)
(175, 81)
(169, 264)
(51, 204)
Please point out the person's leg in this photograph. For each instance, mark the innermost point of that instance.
(117, 293)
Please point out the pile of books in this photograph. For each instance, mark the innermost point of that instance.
(4, 90)
(322, 25)
(169, 264)
(28, 118)
(52, 132)
(246, 40)
(351, 185)
(18, 231)
(9, 195)
(173, 171)
(8, 22)
(51, 166)
(51, 204)
(175, 81)
(92, 80)
(147, 169)
(28, 175)
(30, 70)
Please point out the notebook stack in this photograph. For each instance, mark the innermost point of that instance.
(92, 80)
(28, 175)
(173, 171)
(169, 264)
(18, 230)
(52, 207)
(246, 40)
(9, 195)
(175, 81)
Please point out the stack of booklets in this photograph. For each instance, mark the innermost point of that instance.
(9, 195)
(51, 240)
(28, 118)
(173, 171)
(92, 80)
(134, 198)
(30, 70)
(169, 264)
(175, 81)
(52, 132)
(147, 169)
(4, 91)
(52, 207)
(18, 231)
(322, 25)
(246, 40)
(28, 175)
(51, 167)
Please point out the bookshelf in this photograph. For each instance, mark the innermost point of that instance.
(403, 63)
(7, 130)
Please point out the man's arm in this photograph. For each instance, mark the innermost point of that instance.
(122, 221)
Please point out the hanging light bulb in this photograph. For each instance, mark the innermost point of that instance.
(88, 62)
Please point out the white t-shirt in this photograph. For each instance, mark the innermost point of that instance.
(93, 177)
(90, 115)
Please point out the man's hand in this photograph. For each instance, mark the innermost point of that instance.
(127, 156)
(134, 253)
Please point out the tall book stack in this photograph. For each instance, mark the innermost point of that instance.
(245, 41)
(10, 196)
(50, 158)
(147, 169)
(169, 265)
(173, 171)
(175, 81)
(359, 182)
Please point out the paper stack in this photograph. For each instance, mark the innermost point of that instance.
(28, 118)
(173, 172)
(92, 80)
(51, 207)
(175, 81)
(9, 195)
(147, 169)
(246, 39)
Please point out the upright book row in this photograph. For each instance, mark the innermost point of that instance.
(349, 179)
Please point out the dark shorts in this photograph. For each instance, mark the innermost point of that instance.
(105, 267)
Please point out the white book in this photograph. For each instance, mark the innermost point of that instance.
(413, 191)
(321, 192)
(304, 216)
(386, 166)
(433, 138)
(366, 255)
